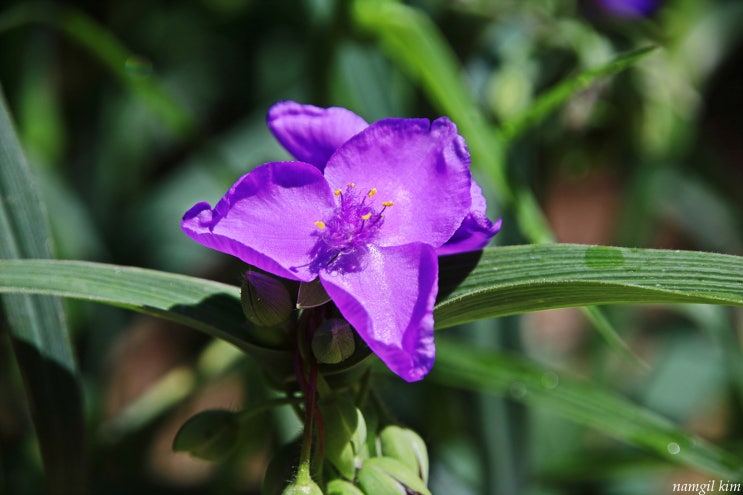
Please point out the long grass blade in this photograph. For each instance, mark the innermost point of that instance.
(554, 98)
(38, 328)
(470, 368)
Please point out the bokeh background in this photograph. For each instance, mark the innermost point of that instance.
(130, 111)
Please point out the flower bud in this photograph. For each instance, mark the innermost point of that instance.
(342, 487)
(305, 487)
(267, 304)
(406, 446)
(386, 475)
(345, 435)
(333, 342)
(210, 435)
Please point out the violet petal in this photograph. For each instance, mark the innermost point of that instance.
(390, 305)
(475, 231)
(311, 134)
(266, 218)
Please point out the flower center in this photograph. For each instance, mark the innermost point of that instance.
(343, 238)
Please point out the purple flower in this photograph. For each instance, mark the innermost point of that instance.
(368, 209)
(630, 8)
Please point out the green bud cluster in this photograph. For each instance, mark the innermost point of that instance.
(359, 459)
(395, 460)
(342, 451)
(281, 313)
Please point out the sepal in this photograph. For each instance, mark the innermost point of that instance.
(311, 295)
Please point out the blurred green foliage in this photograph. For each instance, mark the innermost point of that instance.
(130, 111)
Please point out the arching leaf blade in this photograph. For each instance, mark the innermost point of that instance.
(37, 326)
(519, 279)
(467, 367)
(555, 97)
(211, 307)
(490, 283)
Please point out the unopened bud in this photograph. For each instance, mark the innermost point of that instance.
(406, 446)
(342, 487)
(345, 435)
(306, 487)
(333, 342)
(266, 303)
(210, 435)
(386, 475)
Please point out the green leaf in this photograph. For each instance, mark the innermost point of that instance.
(604, 327)
(413, 41)
(489, 283)
(558, 95)
(471, 368)
(494, 282)
(519, 279)
(211, 307)
(38, 328)
(211, 435)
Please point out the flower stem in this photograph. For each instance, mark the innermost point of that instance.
(307, 380)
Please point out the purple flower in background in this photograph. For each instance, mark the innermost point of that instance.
(630, 8)
(368, 209)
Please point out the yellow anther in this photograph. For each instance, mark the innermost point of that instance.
(350, 184)
(337, 192)
(366, 217)
(320, 225)
(387, 203)
(372, 192)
